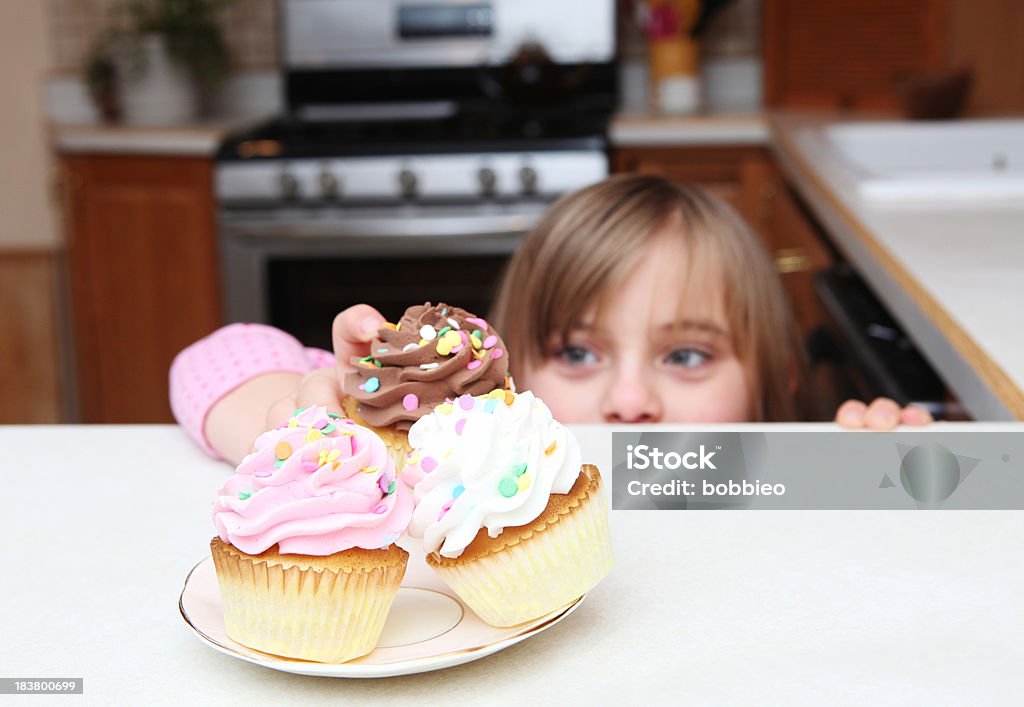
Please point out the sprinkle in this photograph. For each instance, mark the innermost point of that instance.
(429, 366)
(443, 348)
(490, 405)
(262, 474)
(282, 450)
(391, 487)
(475, 341)
(478, 322)
(334, 416)
(314, 435)
(390, 325)
(477, 333)
(457, 491)
(279, 463)
(444, 409)
(413, 457)
(410, 347)
(444, 509)
(496, 394)
(428, 464)
(479, 354)
(366, 359)
(444, 312)
(368, 364)
(372, 384)
(508, 487)
(524, 482)
(428, 332)
(327, 455)
(382, 483)
(309, 467)
(459, 426)
(244, 495)
(381, 508)
(370, 469)
(457, 348)
(398, 327)
(329, 429)
(321, 423)
(497, 353)
(466, 402)
(410, 402)
(520, 470)
(510, 397)
(378, 364)
(490, 341)
(454, 324)
(444, 331)
(551, 449)
(474, 364)
(382, 350)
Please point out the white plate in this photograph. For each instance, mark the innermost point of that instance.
(428, 628)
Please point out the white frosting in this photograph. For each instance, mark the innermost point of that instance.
(468, 457)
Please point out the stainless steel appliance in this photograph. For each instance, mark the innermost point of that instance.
(422, 139)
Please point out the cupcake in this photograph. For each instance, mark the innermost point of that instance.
(436, 352)
(509, 518)
(305, 550)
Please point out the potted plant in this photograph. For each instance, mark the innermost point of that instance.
(160, 57)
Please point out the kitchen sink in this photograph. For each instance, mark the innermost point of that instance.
(907, 162)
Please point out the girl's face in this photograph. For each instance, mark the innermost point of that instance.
(646, 360)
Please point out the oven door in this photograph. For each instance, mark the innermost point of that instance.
(297, 268)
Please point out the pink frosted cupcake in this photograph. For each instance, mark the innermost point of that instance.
(305, 554)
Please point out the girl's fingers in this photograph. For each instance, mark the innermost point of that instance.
(882, 414)
(916, 415)
(352, 332)
(851, 414)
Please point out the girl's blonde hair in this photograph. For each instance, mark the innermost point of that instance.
(589, 241)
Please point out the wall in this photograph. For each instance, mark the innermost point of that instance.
(989, 35)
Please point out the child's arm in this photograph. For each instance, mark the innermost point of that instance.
(881, 414)
(246, 378)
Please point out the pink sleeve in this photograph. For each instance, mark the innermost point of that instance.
(212, 367)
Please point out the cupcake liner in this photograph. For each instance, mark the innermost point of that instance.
(396, 441)
(306, 607)
(539, 574)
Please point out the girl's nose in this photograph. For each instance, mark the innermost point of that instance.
(632, 397)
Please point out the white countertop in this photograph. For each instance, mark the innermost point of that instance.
(102, 523)
(951, 275)
(641, 129)
(199, 140)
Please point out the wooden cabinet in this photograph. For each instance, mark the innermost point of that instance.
(144, 277)
(747, 178)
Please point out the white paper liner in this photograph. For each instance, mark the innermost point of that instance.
(313, 614)
(540, 574)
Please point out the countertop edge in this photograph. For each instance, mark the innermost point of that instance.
(982, 385)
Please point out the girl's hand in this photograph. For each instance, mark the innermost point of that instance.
(881, 414)
(352, 332)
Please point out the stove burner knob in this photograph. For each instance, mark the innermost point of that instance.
(330, 187)
(488, 181)
(408, 182)
(528, 180)
(289, 186)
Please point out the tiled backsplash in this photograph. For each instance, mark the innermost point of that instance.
(249, 30)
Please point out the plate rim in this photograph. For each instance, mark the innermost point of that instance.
(358, 671)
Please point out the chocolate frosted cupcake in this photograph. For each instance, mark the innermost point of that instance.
(435, 353)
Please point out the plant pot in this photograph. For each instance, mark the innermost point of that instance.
(154, 89)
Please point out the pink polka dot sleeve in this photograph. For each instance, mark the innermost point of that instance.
(212, 367)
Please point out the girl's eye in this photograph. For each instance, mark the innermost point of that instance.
(577, 355)
(688, 358)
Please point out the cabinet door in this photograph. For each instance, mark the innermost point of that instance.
(144, 277)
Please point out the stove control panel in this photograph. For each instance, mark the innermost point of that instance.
(420, 178)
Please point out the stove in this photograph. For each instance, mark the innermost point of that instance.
(417, 131)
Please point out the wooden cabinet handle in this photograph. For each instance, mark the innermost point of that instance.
(788, 260)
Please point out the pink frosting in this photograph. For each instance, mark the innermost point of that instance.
(335, 490)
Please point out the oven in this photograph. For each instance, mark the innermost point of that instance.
(422, 139)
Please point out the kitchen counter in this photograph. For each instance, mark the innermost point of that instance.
(949, 274)
(636, 129)
(102, 524)
(200, 140)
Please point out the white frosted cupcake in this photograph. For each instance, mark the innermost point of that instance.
(509, 518)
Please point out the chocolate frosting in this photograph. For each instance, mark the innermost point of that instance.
(435, 353)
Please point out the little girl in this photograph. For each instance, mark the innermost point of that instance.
(634, 300)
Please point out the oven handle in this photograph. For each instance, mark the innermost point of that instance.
(406, 226)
